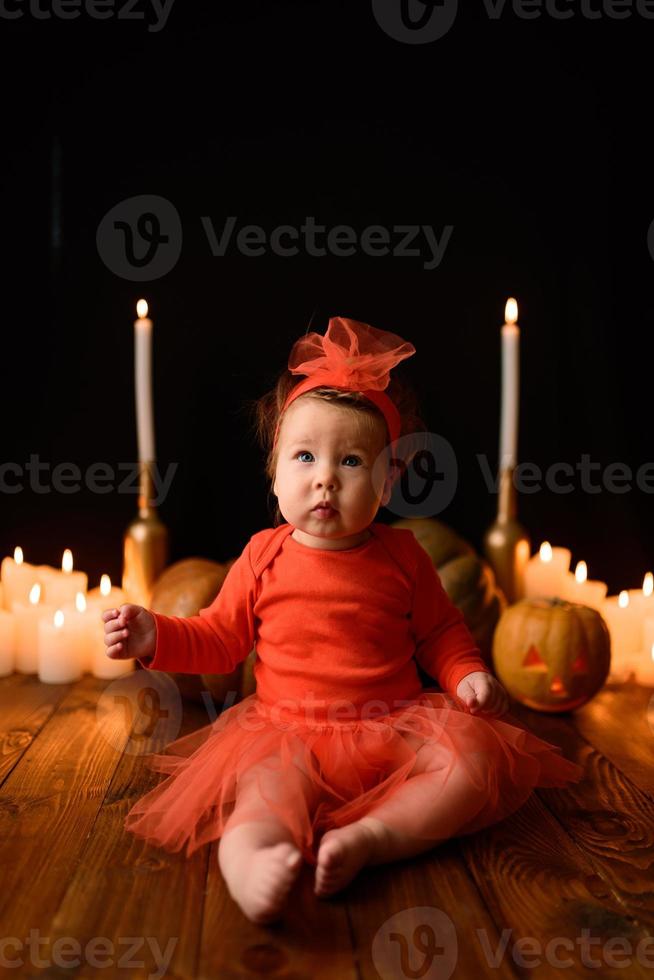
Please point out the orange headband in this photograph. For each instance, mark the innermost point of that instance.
(353, 356)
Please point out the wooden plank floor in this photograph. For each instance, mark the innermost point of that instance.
(564, 885)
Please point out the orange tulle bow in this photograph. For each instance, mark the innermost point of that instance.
(353, 356)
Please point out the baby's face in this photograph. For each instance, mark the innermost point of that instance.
(326, 454)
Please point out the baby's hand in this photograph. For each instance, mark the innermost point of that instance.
(483, 693)
(129, 632)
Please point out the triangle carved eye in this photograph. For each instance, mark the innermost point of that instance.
(534, 659)
(580, 666)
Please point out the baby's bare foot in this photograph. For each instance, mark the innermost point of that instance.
(342, 853)
(266, 881)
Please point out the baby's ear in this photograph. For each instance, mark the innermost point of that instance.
(388, 486)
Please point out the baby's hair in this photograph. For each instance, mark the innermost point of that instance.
(266, 412)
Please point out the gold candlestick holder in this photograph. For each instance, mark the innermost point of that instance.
(145, 544)
(507, 546)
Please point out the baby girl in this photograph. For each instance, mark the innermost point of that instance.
(341, 757)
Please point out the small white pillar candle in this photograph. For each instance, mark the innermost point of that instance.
(18, 577)
(59, 661)
(648, 633)
(624, 627)
(642, 600)
(106, 596)
(644, 667)
(27, 616)
(7, 642)
(79, 626)
(545, 573)
(578, 588)
(62, 587)
(103, 666)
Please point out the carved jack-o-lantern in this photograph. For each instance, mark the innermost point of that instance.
(551, 655)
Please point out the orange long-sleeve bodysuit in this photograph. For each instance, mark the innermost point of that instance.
(336, 630)
(327, 625)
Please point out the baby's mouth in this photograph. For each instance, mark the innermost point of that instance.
(323, 510)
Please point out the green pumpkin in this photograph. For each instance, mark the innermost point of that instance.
(468, 580)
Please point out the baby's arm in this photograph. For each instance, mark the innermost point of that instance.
(445, 648)
(213, 642)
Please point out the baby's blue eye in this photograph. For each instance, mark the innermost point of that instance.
(305, 452)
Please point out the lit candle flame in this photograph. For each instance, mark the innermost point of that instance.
(545, 551)
(105, 585)
(18, 555)
(648, 584)
(80, 602)
(59, 619)
(67, 561)
(581, 572)
(511, 310)
(35, 594)
(141, 309)
(623, 599)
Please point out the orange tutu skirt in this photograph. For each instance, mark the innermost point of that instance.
(255, 760)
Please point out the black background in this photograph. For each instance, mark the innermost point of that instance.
(532, 138)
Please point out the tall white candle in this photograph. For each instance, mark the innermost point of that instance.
(143, 382)
(59, 661)
(510, 386)
(545, 573)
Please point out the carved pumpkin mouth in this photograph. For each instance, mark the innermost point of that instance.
(557, 688)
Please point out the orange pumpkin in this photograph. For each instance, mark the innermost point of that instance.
(182, 590)
(551, 655)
